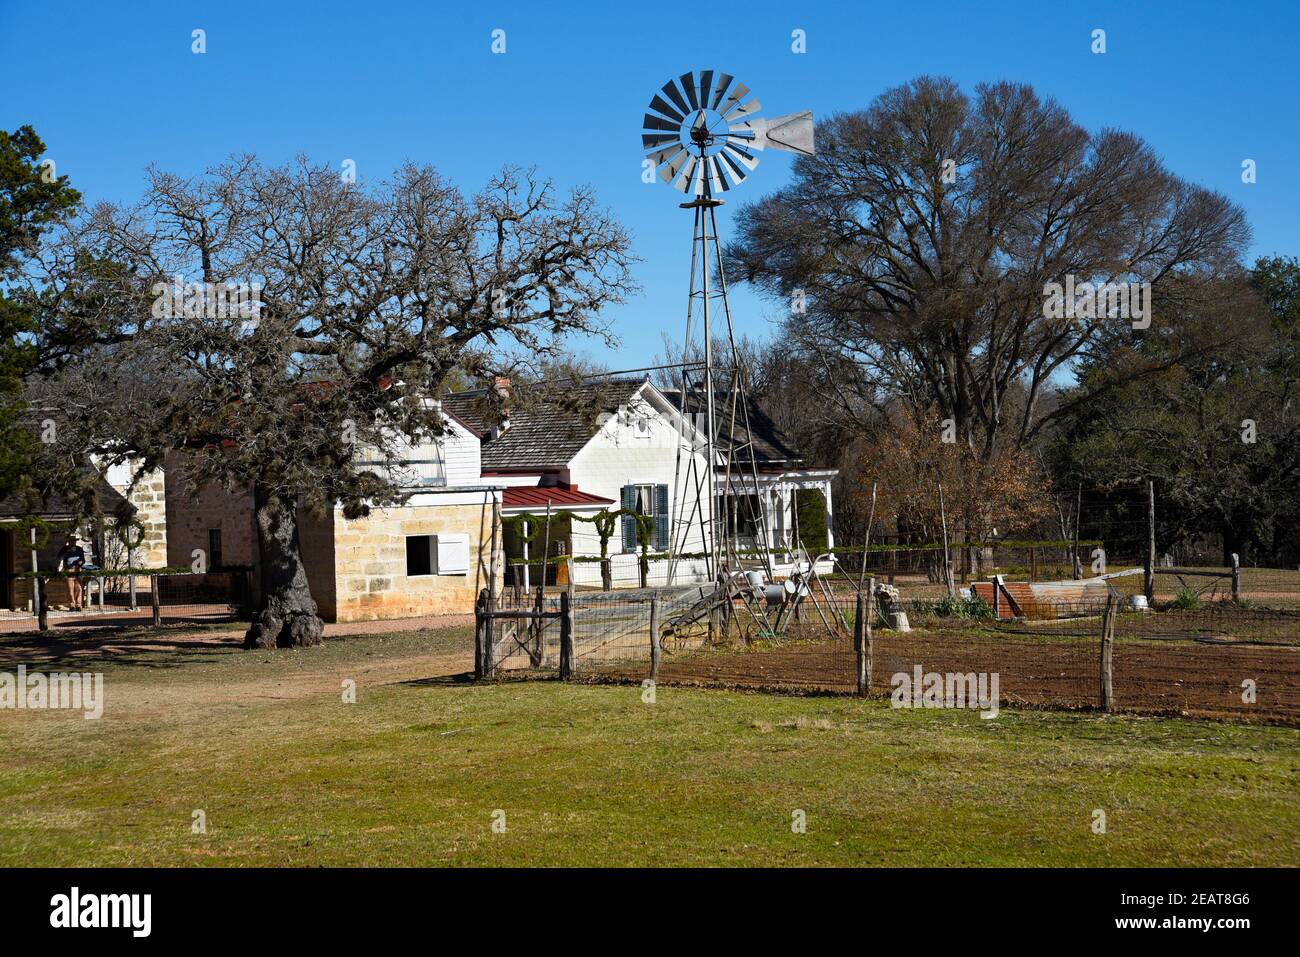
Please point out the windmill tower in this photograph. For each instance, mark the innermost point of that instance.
(702, 132)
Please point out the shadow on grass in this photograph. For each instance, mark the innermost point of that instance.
(89, 647)
(442, 681)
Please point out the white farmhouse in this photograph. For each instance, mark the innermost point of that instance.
(622, 443)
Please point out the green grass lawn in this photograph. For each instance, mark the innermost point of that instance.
(411, 774)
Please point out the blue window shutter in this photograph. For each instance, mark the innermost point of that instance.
(629, 523)
(661, 517)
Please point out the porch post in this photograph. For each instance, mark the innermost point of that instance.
(769, 515)
(523, 526)
(830, 515)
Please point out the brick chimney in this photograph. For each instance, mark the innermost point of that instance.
(501, 384)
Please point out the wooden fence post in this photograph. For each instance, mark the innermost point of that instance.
(130, 562)
(1107, 653)
(566, 636)
(42, 604)
(871, 613)
(860, 642)
(655, 650)
(482, 623)
(862, 636)
(537, 641)
(155, 601)
(1236, 577)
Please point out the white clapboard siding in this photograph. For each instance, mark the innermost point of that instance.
(639, 448)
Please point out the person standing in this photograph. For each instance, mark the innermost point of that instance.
(72, 557)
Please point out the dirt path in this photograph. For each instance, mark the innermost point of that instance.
(94, 639)
(225, 675)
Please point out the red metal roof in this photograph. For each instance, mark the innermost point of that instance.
(536, 497)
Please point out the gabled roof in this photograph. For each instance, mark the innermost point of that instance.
(55, 508)
(549, 433)
(546, 433)
(772, 447)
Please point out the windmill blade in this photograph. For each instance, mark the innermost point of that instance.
(664, 107)
(697, 179)
(687, 80)
(741, 155)
(688, 173)
(671, 91)
(723, 83)
(734, 170)
(752, 133)
(706, 86)
(792, 133)
(745, 109)
(666, 157)
(746, 140)
(715, 176)
(661, 156)
(652, 122)
(654, 141)
(734, 97)
(674, 166)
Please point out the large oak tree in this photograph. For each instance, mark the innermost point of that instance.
(369, 299)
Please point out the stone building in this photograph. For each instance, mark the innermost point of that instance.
(427, 556)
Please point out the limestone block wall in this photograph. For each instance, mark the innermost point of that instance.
(150, 498)
(370, 562)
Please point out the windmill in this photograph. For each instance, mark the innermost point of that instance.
(703, 134)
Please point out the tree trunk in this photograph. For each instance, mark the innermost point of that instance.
(286, 615)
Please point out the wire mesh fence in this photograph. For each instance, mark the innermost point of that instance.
(114, 599)
(1196, 584)
(610, 630)
(1218, 659)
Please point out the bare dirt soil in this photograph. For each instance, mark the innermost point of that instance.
(1167, 677)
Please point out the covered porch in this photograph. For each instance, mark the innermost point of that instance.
(787, 511)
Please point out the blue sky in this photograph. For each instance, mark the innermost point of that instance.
(112, 87)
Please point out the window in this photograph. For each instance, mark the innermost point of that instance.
(437, 555)
(408, 465)
(214, 548)
(644, 502)
(419, 555)
(651, 500)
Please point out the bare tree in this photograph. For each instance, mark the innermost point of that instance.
(365, 300)
(917, 245)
